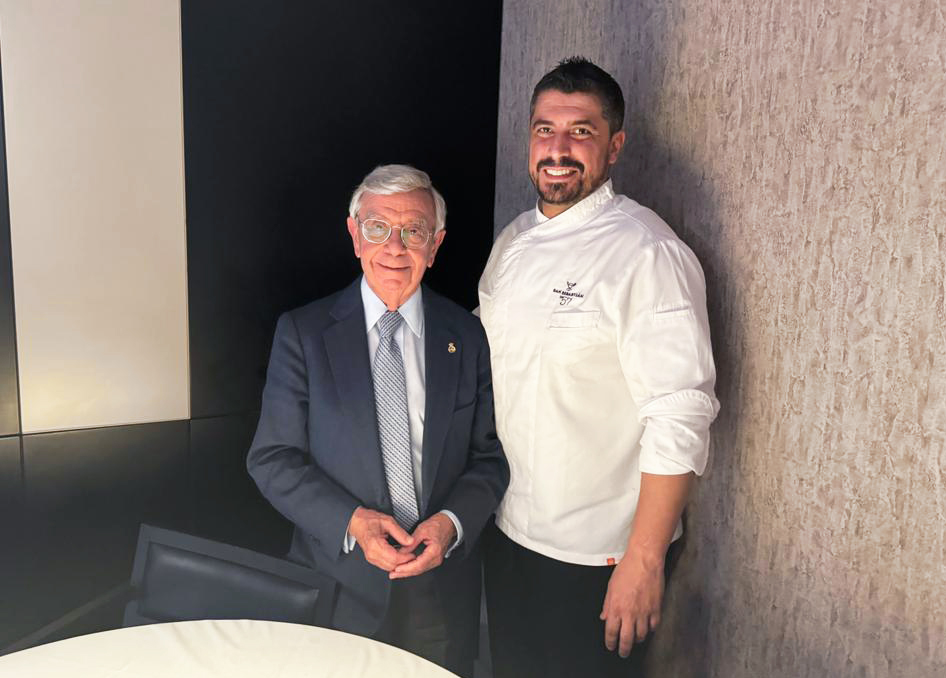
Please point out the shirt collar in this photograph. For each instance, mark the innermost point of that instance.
(412, 310)
(580, 211)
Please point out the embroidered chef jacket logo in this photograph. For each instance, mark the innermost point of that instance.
(566, 295)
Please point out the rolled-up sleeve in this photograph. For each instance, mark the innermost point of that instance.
(667, 358)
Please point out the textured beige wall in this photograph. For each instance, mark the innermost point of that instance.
(798, 147)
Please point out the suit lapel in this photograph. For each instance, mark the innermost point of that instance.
(346, 343)
(442, 370)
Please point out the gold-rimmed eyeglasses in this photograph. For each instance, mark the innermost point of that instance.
(414, 235)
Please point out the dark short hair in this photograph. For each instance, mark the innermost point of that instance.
(577, 74)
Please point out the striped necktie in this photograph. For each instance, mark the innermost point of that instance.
(390, 396)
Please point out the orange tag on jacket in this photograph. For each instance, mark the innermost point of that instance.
(610, 561)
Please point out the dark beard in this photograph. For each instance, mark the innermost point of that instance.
(559, 194)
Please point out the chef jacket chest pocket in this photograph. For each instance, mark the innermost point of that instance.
(571, 330)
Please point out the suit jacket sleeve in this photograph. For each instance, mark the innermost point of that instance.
(478, 491)
(279, 459)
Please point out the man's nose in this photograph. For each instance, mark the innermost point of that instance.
(560, 145)
(394, 244)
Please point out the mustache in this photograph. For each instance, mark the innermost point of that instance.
(561, 162)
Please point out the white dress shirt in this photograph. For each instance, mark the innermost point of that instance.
(602, 369)
(409, 337)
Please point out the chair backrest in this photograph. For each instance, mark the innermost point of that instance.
(180, 577)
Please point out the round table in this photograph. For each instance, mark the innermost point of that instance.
(218, 649)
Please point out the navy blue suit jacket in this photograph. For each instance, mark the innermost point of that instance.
(316, 455)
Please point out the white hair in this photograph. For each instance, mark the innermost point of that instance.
(391, 179)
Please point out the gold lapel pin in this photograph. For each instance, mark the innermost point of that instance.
(451, 347)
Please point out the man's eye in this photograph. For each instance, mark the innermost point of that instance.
(375, 226)
(417, 231)
(543, 131)
(581, 132)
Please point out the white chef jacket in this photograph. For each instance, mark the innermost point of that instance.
(602, 368)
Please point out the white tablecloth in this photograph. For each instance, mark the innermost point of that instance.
(218, 649)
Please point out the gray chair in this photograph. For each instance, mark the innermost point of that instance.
(179, 577)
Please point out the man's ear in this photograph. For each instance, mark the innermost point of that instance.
(615, 145)
(353, 231)
(438, 238)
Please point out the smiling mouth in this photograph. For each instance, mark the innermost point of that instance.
(396, 269)
(559, 172)
(559, 168)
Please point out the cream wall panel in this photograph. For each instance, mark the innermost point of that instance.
(799, 147)
(93, 106)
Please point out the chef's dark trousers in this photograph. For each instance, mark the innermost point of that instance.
(544, 615)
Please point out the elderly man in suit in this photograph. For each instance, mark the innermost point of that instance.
(376, 436)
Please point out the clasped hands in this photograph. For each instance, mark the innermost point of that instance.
(371, 530)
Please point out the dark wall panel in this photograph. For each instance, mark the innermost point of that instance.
(87, 493)
(11, 518)
(227, 505)
(11, 492)
(10, 476)
(9, 397)
(286, 107)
